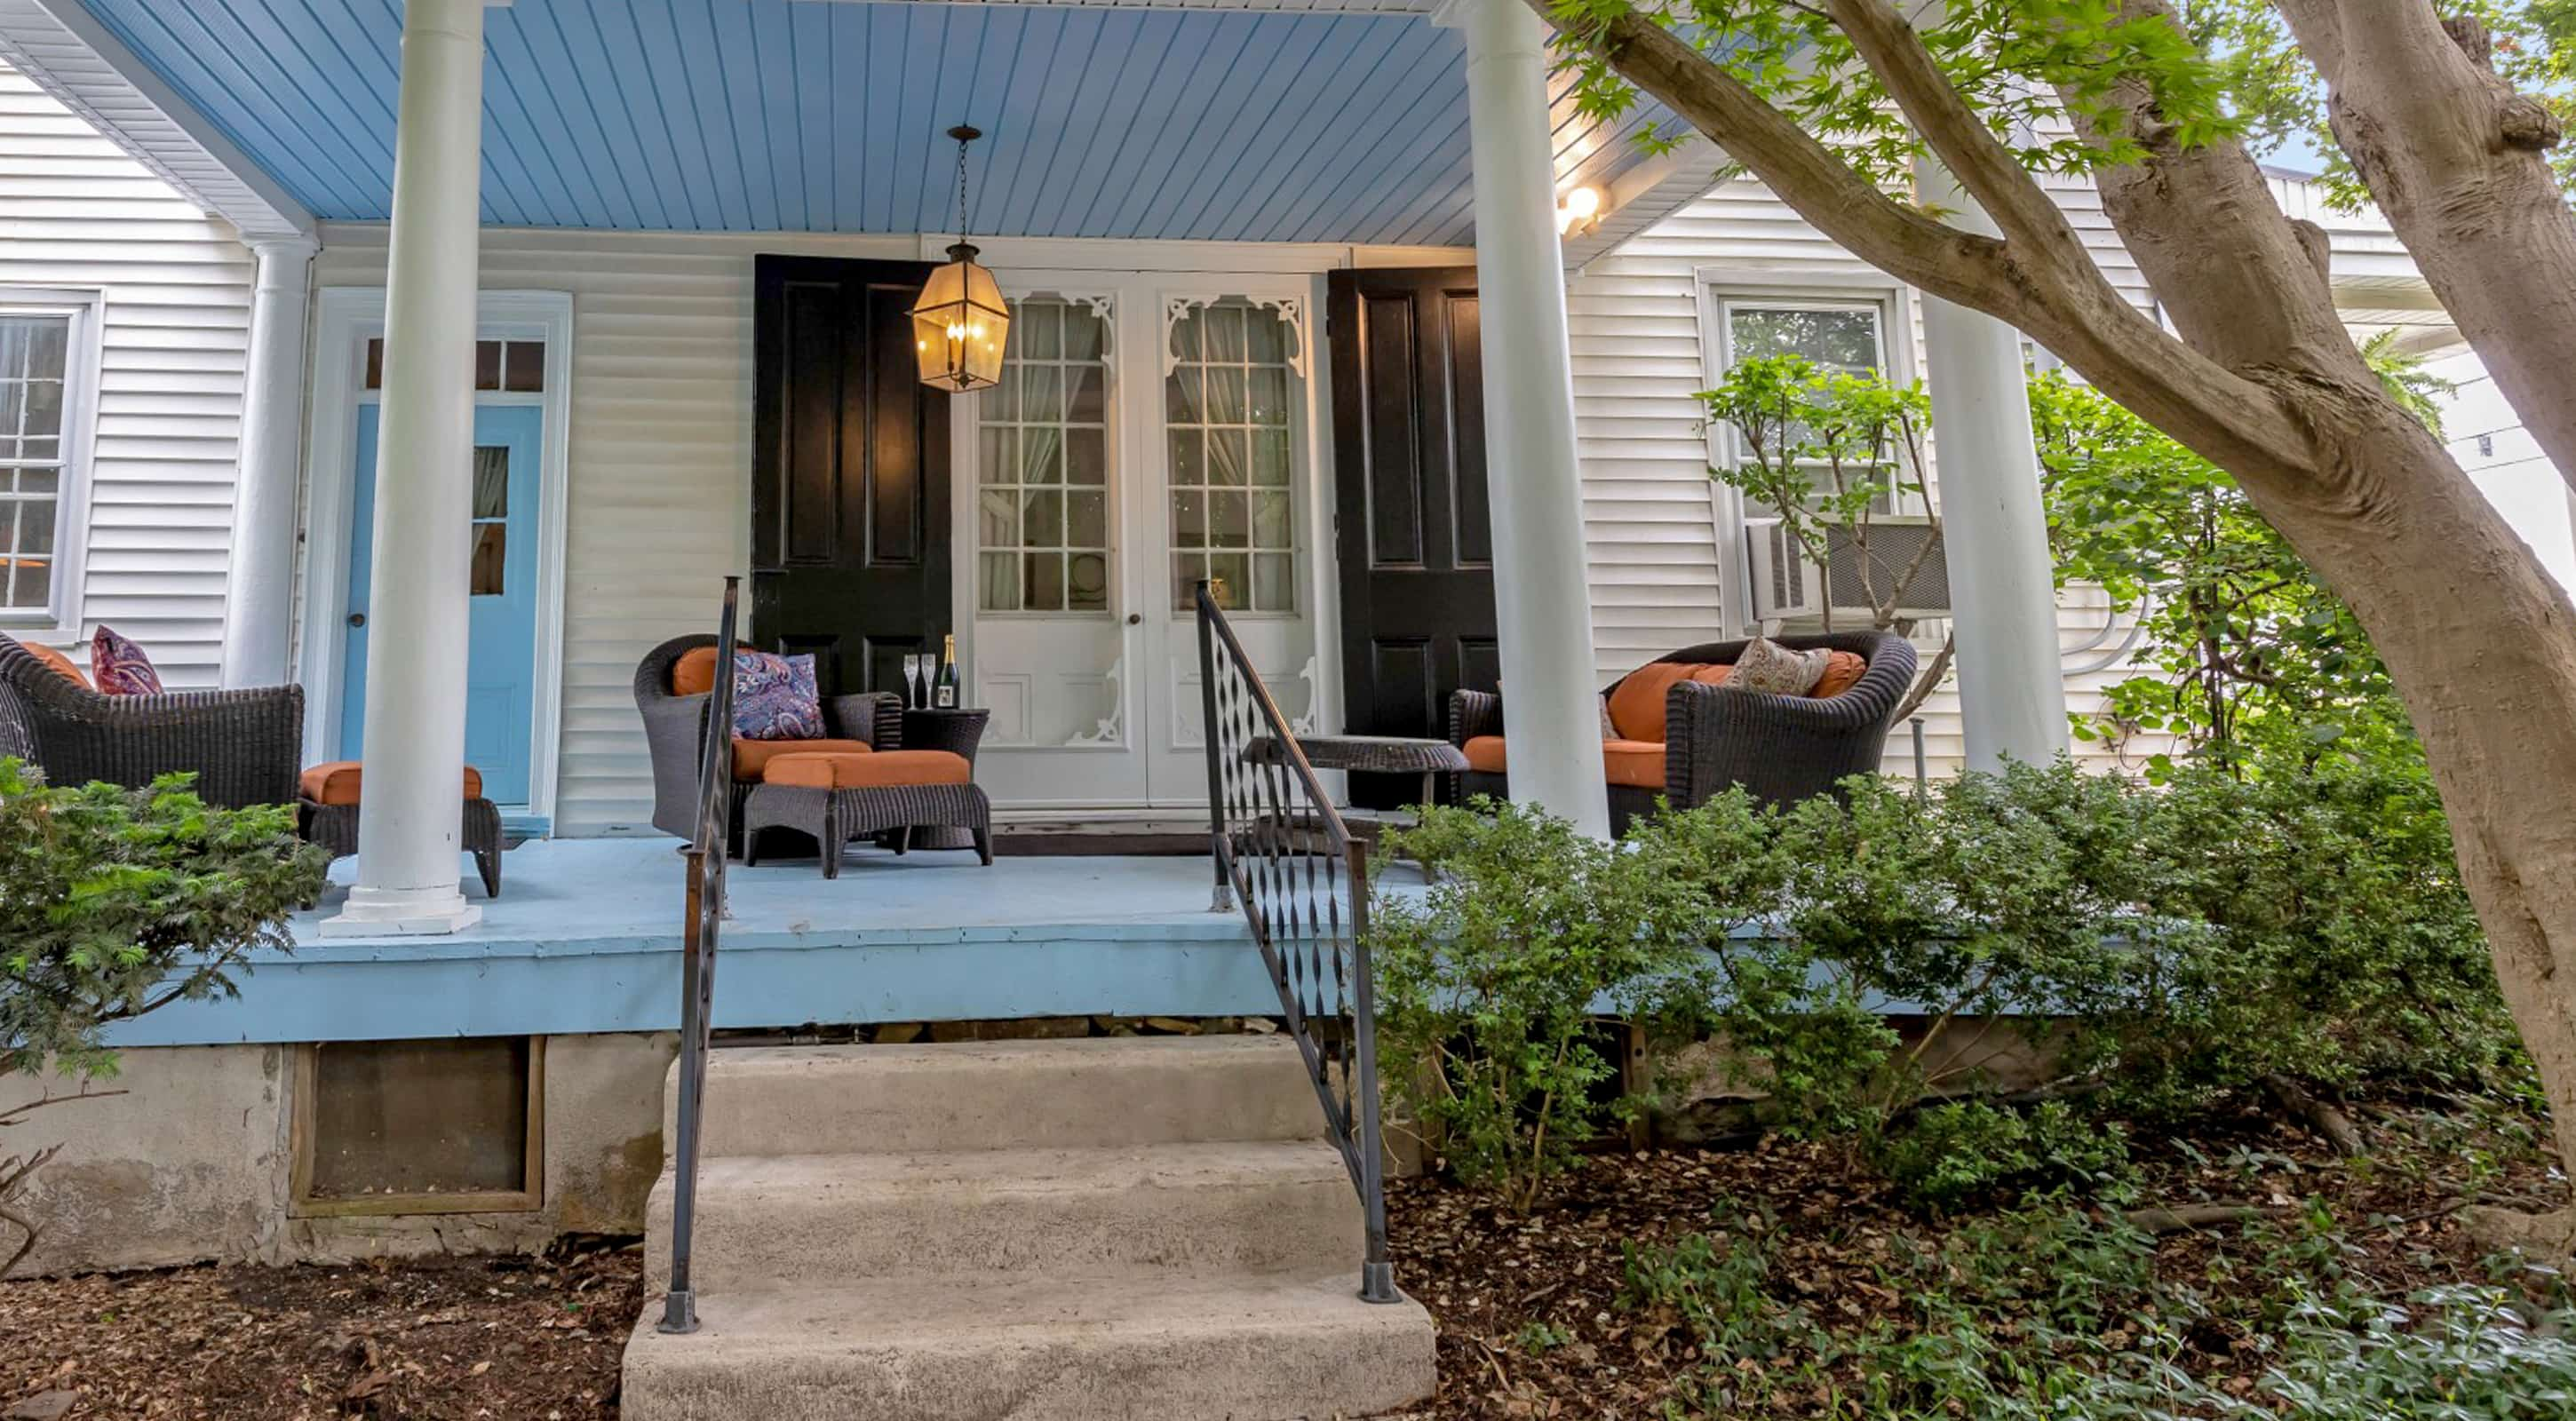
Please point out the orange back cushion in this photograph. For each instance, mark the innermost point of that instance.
(694, 674)
(1637, 704)
(61, 664)
(1842, 672)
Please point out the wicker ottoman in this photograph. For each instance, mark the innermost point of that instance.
(326, 813)
(833, 799)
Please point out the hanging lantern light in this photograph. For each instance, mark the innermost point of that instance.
(960, 323)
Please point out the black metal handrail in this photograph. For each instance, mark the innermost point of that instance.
(704, 917)
(1283, 851)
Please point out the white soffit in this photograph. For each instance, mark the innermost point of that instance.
(70, 56)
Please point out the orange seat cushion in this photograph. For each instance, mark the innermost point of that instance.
(694, 674)
(1637, 702)
(751, 758)
(62, 664)
(336, 783)
(1638, 764)
(1842, 672)
(882, 770)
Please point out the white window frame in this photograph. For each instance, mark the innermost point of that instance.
(1721, 288)
(61, 618)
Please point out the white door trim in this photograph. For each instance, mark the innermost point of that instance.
(346, 317)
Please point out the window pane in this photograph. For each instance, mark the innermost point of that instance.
(1042, 519)
(1086, 517)
(1225, 334)
(1187, 569)
(1086, 456)
(523, 366)
(487, 365)
(1229, 456)
(1086, 333)
(35, 528)
(1184, 396)
(1085, 394)
(1042, 394)
(997, 454)
(998, 518)
(1087, 583)
(1269, 397)
(1043, 581)
(1224, 395)
(1189, 457)
(1267, 339)
(1001, 582)
(491, 555)
(33, 582)
(1232, 573)
(1270, 525)
(1189, 519)
(1041, 455)
(1270, 457)
(1232, 517)
(1846, 339)
(49, 348)
(1042, 329)
(491, 481)
(1273, 582)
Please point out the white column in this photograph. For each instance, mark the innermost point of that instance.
(2003, 596)
(260, 593)
(1551, 706)
(409, 811)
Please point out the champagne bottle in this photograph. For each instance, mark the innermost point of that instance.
(943, 693)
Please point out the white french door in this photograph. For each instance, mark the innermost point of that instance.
(1147, 433)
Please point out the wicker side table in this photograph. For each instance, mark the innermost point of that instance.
(958, 732)
(1372, 754)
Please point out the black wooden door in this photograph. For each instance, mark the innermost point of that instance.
(1414, 535)
(849, 489)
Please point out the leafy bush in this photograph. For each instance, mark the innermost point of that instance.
(2471, 1353)
(1492, 985)
(1947, 1154)
(114, 902)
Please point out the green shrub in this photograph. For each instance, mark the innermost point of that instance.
(1492, 984)
(114, 902)
(2460, 1353)
(1945, 1155)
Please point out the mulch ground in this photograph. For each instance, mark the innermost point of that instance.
(437, 1339)
(1490, 1279)
(539, 1339)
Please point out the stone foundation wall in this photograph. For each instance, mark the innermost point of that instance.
(187, 1156)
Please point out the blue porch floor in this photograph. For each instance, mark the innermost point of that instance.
(585, 937)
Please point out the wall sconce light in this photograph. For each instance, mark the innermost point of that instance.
(1578, 212)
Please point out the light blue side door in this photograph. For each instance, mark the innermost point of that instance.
(501, 653)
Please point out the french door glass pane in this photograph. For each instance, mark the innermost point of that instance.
(1046, 425)
(1229, 408)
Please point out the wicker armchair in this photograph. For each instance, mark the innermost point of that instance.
(675, 726)
(1780, 748)
(245, 747)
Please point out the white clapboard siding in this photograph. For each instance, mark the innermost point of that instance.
(77, 214)
(1650, 519)
(660, 477)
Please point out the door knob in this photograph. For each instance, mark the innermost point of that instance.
(357, 619)
(1135, 619)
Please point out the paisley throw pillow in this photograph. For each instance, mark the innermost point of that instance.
(117, 667)
(1768, 666)
(774, 697)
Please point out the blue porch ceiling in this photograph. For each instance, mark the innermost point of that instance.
(830, 116)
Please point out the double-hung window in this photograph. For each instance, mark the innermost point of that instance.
(40, 395)
(1848, 334)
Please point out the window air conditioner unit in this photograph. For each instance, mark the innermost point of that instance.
(1788, 585)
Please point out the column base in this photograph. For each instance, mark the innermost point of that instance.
(401, 912)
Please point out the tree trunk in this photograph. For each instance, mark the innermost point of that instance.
(2456, 160)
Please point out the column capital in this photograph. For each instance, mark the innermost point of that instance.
(284, 247)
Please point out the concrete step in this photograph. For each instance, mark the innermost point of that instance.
(1190, 1348)
(792, 1220)
(1104, 1092)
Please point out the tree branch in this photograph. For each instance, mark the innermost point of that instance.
(1987, 170)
